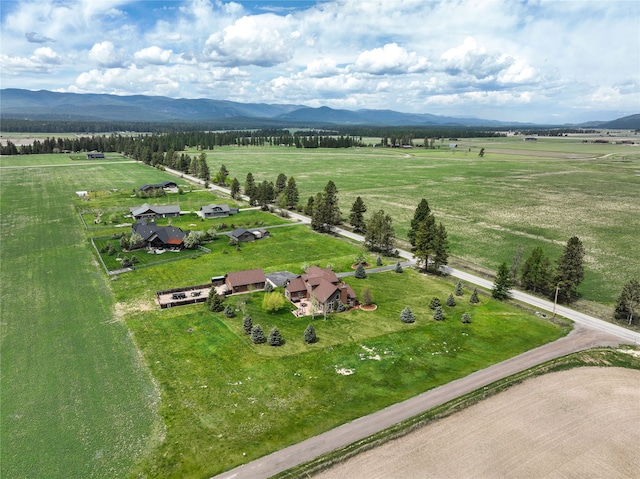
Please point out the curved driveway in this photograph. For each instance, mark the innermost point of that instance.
(587, 333)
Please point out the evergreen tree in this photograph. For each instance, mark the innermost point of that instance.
(367, 300)
(356, 216)
(275, 338)
(308, 209)
(214, 301)
(250, 189)
(406, 316)
(435, 302)
(203, 167)
(422, 212)
(438, 313)
(235, 188)
(281, 183)
(570, 270)
(466, 318)
(247, 324)
(291, 193)
(458, 289)
(440, 247)
(378, 261)
(221, 177)
(379, 233)
(229, 312)
(451, 300)
(516, 264)
(257, 335)
(398, 267)
(628, 303)
(502, 284)
(536, 272)
(310, 335)
(425, 240)
(473, 299)
(360, 272)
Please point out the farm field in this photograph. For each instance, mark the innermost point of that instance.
(190, 386)
(519, 193)
(574, 423)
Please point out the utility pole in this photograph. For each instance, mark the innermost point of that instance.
(555, 301)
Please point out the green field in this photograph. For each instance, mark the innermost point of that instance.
(529, 193)
(99, 382)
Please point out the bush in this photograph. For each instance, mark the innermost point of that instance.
(407, 315)
(273, 302)
(466, 318)
(247, 324)
(378, 261)
(310, 335)
(360, 272)
(257, 335)
(473, 299)
(435, 303)
(275, 338)
(438, 313)
(451, 301)
(229, 312)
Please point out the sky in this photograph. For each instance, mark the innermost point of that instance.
(551, 61)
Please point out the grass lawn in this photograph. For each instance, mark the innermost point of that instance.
(224, 397)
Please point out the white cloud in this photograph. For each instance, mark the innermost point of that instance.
(390, 59)
(263, 40)
(153, 55)
(105, 55)
(47, 55)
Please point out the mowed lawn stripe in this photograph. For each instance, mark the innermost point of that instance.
(75, 401)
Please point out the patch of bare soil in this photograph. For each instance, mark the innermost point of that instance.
(578, 423)
(368, 307)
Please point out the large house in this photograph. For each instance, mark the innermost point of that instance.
(322, 287)
(157, 187)
(147, 211)
(243, 281)
(217, 211)
(165, 237)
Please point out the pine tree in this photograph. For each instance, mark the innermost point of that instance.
(398, 267)
(451, 301)
(360, 272)
(406, 316)
(473, 299)
(421, 213)
(438, 313)
(257, 335)
(466, 318)
(356, 216)
(247, 324)
(250, 189)
(291, 193)
(229, 312)
(570, 270)
(214, 301)
(440, 247)
(425, 240)
(235, 188)
(458, 289)
(281, 183)
(502, 284)
(379, 232)
(536, 272)
(435, 302)
(366, 297)
(275, 338)
(310, 335)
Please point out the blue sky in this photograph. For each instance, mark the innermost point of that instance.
(545, 61)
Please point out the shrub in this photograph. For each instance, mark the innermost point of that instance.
(360, 272)
(134, 259)
(229, 312)
(458, 289)
(438, 313)
(473, 299)
(257, 335)
(275, 338)
(398, 267)
(247, 324)
(310, 335)
(435, 303)
(366, 297)
(378, 261)
(407, 315)
(451, 301)
(466, 318)
(273, 302)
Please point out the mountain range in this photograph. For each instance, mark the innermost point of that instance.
(47, 105)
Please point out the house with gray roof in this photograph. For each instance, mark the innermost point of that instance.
(217, 211)
(147, 211)
(154, 236)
